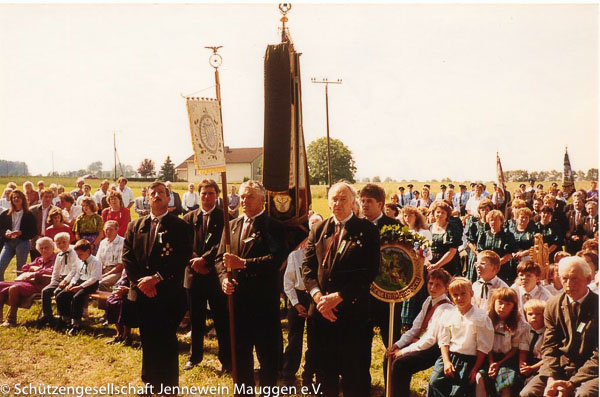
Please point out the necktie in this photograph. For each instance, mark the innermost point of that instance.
(334, 243)
(84, 268)
(411, 196)
(153, 228)
(526, 297)
(534, 340)
(246, 231)
(205, 221)
(484, 289)
(574, 306)
(402, 199)
(443, 196)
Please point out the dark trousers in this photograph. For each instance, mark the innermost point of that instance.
(71, 304)
(206, 288)
(342, 348)
(257, 328)
(407, 365)
(293, 352)
(47, 294)
(158, 320)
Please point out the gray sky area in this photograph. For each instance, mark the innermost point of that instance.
(429, 91)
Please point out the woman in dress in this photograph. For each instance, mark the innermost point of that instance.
(523, 233)
(117, 212)
(35, 276)
(550, 229)
(476, 226)
(57, 225)
(89, 225)
(446, 237)
(501, 242)
(17, 227)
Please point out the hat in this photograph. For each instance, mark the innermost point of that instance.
(462, 186)
(554, 184)
(410, 185)
(522, 185)
(451, 186)
(401, 188)
(532, 181)
(442, 186)
(540, 186)
(427, 186)
(473, 184)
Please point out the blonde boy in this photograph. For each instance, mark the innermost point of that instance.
(487, 267)
(465, 337)
(530, 354)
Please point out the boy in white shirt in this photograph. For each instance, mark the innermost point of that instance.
(528, 273)
(65, 262)
(417, 349)
(84, 280)
(465, 337)
(530, 348)
(487, 267)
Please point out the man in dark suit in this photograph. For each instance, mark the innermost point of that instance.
(40, 212)
(156, 250)
(570, 347)
(576, 221)
(258, 250)
(201, 280)
(591, 221)
(342, 259)
(372, 200)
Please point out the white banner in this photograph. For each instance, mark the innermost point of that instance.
(207, 135)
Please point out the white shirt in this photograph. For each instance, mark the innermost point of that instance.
(16, 216)
(527, 337)
(93, 197)
(73, 213)
(98, 196)
(88, 274)
(45, 217)
(190, 200)
(480, 302)
(64, 265)
(466, 334)
(429, 338)
(126, 195)
(109, 253)
(552, 289)
(441, 196)
(504, 340)
(538, 292)
(292, 278)
(472, 206)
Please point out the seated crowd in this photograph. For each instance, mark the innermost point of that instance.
(489, 320)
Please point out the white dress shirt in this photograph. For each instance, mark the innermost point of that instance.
(89, 273)
(466, 334)
(472, 206)
(73, 213)
(292, 278)
(429, 337)
(110, 252)
(64, 265)
(190, 200)
(482, 302)
(504, 340)
(552, 289)
(538, 292)
(126, 195)
(527, 337)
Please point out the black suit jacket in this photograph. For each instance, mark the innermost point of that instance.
(169, 255)
(567, 344)
(386, 221)
(265, 252)
(37, 212)
(576, 228)
(177, 203)
(353, 268)
(28, 226)
(205, 243)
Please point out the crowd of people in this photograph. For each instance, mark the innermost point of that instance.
(489, 319)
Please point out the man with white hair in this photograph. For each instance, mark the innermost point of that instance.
(258, 249)
(570, 347)
(342, 259)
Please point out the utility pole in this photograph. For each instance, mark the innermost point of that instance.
(327, 82)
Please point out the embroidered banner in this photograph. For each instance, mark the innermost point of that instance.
(499, 173)
(207, 135)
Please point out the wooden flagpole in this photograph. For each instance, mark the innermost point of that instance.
(388, 372)
(215, 62)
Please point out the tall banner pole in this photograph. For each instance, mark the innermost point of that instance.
(215, 61)
(388, 371)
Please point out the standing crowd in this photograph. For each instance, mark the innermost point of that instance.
(489, 319)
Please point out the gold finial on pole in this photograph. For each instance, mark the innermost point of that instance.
(215, 59)
(284, 8)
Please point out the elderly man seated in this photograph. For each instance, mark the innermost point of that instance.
(109, 253)
(35, 276)
(570, 346)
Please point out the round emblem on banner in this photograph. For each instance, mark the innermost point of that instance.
(400, 274)
(282, 202)
(209, 134)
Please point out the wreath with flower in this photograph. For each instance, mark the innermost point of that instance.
(398, 234)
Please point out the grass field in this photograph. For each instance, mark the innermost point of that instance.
(29, 355)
